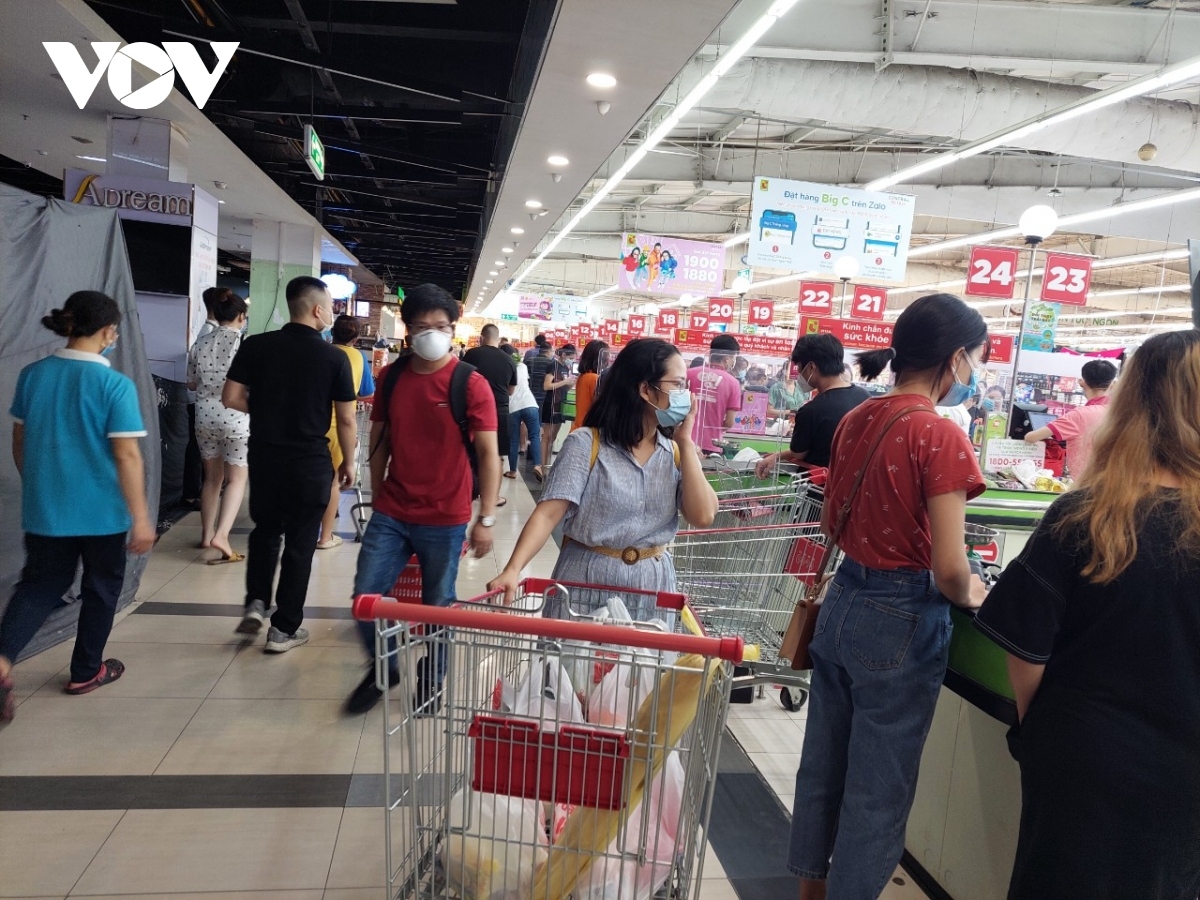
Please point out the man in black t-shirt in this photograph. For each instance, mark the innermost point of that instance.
(820, 359)
(500, 370)
(287, 380)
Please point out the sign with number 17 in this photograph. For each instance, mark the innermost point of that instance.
(992, 272)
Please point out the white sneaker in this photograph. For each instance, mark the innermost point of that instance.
(252, 618)
(278, 642)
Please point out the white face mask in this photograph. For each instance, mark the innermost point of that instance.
(802, 383)
(431, 345)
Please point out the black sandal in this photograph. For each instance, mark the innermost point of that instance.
(110, 671)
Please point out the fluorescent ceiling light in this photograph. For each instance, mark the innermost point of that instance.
(736, 239)
(506, 249)
(1147, 84)
(534, 204)
(607, 290)
(601, 80)
(723, 64)
(92, 158)
(517, 230)
(557, 160)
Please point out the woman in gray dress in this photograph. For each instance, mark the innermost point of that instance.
(621, 481)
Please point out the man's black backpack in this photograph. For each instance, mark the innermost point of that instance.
(458, 408)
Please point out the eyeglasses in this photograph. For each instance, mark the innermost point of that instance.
(679, 385)
(414, 330)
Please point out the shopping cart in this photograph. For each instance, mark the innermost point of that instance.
(358, 512)
(745, 575)
(508, 783)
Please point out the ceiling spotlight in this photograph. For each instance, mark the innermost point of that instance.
(220, 185)
(488, 281)
(517, 230)
(534, 204)
(506, 249)
(493, 273)
(220, 201)
(556, 177)
(542, 213)
(500, 263)
(601, 80)
(557, 160)
(603, 106)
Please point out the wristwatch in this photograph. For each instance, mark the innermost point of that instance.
(487, 521)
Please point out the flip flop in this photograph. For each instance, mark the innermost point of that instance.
(110, 671)
(538, 474)
(510, 474)
(334, 541)
(503, 501)
(231, 558)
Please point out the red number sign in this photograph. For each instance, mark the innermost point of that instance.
(761, 312)
(1066, 279)
(668, 321)
(637, 325)
(585, 332)
(868, 302)
(699, 321)
(816, 298)
(720, 310)
(1002, 348)
(992, 272)
(573, 334)
(611, 326)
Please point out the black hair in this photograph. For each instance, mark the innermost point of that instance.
(506, 347)
(346, 329)
(1099, 374)
(540, 340)
(428, 298)
(229, 308)
(84, 313)
(566, 348)
(214, 295)
(696, 363)
(300, 293)
(725, 342)
(489, 331)
(589, 359)
(927, 334)
(616, 411)
(822, 350)
(997, 389)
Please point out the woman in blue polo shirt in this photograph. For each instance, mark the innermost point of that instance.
(75, 443)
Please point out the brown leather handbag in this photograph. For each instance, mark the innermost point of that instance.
(803, 624)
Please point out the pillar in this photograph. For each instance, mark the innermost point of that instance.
(145, 147)
(279, 252)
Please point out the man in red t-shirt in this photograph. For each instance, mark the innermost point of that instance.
(1076, 427)
(421, 482)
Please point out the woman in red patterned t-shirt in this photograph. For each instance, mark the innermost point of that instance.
(883, 635)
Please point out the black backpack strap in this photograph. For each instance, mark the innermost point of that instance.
(383, 397)
(458, 404)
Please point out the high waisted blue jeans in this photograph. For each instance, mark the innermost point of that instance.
(879, 656)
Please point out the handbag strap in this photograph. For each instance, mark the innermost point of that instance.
(844, 513)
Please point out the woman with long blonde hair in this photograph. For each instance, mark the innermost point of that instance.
(1100, 615)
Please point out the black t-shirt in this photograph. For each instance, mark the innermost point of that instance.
(293, 378)
(538, 367)
(817, 420)
(497, 367)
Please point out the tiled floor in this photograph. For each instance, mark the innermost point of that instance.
(199, 701)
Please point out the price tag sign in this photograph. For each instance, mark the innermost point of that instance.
(761, 313)
(720, 310)
(992, 272)
(816, 298)
(868, 303)
(637, 326)
(699, 321)
(1004, 454)
(1067, 278)
(668, 321)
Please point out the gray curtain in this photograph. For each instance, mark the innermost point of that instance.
(48, 250)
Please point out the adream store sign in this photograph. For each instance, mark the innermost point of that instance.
(854, 335)
(806, 227)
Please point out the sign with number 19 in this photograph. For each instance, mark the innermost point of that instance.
(761, 312)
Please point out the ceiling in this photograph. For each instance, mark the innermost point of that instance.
(845, 93)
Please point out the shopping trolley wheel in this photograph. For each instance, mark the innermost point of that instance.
(793, 698)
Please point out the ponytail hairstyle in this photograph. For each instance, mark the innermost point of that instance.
(927, 335)
(84, 313)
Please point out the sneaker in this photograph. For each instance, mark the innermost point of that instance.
(252, 618)
(367, 694)
(278, 642)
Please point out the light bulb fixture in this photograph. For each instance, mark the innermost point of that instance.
(686, 300)
(602, 80)
(488, 281)
(845, 268)
(1037, 223)
(741, 284)
(516, 230)
(533, 204)
(493, 273)
(558, 160)
(506, 250)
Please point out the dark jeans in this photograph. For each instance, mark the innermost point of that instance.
(50, 565)
(286, 504)
(387, 546)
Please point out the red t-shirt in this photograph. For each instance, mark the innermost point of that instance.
(921, 456)
(429, 476)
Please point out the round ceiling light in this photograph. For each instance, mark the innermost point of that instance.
(601, 80)
(558, 160)
(488, 281)
(534, 204)
(493, 273)
(506, 249)
(517, 230)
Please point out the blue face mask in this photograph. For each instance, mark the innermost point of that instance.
(678, 406)
(959, 393)
(989, 405)
(108, 351)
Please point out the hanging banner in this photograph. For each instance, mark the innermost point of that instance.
(667, 322)
(720, 311)
(992, 272)
(571, 310)
(670, 266)
(1067, 278)
(585, 332)
(816, 298)
(868, 302)
(699, 321)
(550, 308)
(761, 313)
(1039, 328)
(611, 327)
(854, 335)
(1002, 349)
(538, 309)
(573, 334)
(636, 326)
(805, 227)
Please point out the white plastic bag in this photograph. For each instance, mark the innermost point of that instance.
(494, 848)
(547, 695)
(612, 878)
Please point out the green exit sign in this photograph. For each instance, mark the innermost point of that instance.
(314, 152)
(507, 317)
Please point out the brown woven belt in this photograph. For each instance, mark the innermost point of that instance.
(629, 556)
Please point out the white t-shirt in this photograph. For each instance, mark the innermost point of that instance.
(522, 397)
(958, 415)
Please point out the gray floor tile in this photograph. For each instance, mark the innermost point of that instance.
(44, 853)
(311, 673)
(161, 670)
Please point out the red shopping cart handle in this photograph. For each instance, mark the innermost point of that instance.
(369, 607)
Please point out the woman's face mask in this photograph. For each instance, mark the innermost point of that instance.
(679, 404)
(960, 392)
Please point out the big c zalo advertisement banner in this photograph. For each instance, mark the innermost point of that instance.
(807, 227)
(854, 335)
(670, 266)
(1040, 327)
